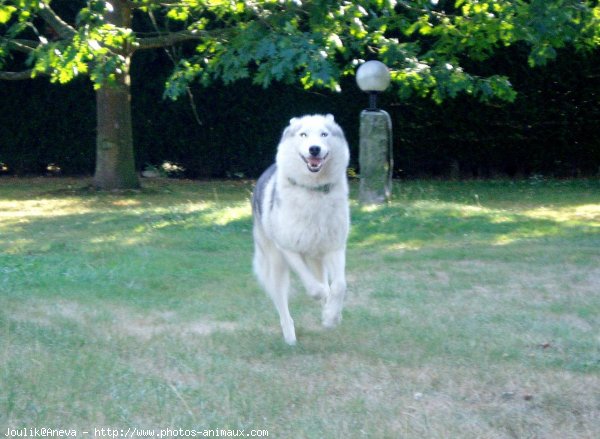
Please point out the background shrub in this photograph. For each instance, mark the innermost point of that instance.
(550, 129)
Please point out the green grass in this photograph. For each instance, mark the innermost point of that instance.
(473, 311)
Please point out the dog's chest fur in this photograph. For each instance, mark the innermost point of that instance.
(308, 221)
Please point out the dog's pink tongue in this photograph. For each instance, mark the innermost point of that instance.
(314, 161)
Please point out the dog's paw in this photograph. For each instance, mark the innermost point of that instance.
(331, 319)
(319, 291)
(291, 341)
(289, 335)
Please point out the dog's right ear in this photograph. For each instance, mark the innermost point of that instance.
(291, 129)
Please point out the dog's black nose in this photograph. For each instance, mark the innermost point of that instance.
(314, 150)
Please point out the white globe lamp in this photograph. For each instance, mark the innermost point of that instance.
(373, 77)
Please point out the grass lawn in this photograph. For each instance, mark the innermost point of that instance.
(473, 311)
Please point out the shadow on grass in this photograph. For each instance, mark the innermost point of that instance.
(207, 224)
(444, 225)
(93, 222)
(210, 215)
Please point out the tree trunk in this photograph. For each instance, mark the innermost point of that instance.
(115, 165)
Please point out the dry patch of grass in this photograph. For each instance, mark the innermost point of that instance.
(104, 319)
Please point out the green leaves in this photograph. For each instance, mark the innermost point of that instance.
(96, 51)
(427, 44)
(6, 13)
(272, 48)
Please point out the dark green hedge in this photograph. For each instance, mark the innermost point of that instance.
(551, 129)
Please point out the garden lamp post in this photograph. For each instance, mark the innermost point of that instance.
(375, 147)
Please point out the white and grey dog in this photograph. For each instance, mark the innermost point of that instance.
(301, 218)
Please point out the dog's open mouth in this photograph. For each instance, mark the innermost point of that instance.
(314, 164)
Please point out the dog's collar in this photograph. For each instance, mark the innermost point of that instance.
(324, 188)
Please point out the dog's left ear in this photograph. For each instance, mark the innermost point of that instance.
(334, 128)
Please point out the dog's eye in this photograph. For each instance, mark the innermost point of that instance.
(303, 135)
(324, 134)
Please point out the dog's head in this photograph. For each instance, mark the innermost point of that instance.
(317, 141)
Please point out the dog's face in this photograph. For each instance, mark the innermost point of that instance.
(314, 140)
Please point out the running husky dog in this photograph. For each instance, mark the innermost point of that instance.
(301, 218)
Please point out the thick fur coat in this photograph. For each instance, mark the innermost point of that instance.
(301, 218)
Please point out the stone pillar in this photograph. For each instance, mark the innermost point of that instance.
(375, 157)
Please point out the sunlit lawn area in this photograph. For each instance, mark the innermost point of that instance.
(473, 312)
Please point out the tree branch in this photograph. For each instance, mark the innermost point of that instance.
(16, 76)
(24, 46)
(134, 5)
(166, 40)
(62, 28)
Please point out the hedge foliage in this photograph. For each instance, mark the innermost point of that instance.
(550, 129)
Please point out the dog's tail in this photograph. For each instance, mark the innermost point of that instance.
(268, 263)
(260, 263)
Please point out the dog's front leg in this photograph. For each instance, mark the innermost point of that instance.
(314, 287)
(335, 263)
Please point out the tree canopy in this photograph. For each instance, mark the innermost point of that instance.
(431, 46)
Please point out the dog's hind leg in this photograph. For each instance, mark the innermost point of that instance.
(273, 274)
(279, 289)
(335, 263)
